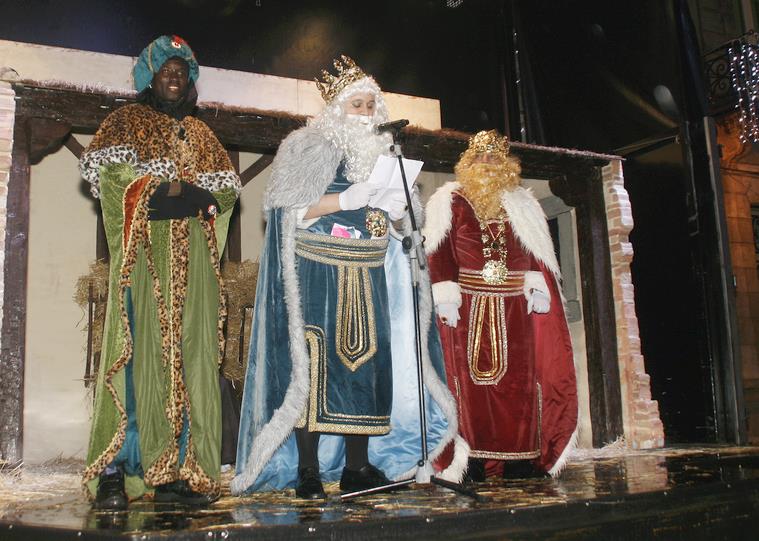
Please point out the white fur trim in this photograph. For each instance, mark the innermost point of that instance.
(447, 292)
(439, 216)
(455, 471)
(304, 166)
(528, 221)
(276, 431)
(561, 462)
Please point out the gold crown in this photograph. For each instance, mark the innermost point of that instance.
(489, 142)
(347, 73)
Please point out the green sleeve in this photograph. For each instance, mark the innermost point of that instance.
(114, 180)
(226, 198)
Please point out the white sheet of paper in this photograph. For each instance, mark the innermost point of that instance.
(387, 175)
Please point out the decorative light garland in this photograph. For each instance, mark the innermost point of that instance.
(744, 75)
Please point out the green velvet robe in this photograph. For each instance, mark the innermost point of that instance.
(164, 313)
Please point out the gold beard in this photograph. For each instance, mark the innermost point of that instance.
(483, 183)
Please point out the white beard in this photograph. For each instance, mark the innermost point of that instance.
(362, 148)
(356, 138)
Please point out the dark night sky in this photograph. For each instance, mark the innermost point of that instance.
(414, 47)
(595, 62)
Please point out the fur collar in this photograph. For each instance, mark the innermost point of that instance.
(525, 215)
(305, 164)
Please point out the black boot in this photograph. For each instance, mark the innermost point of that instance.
(111, 495)
(521, 469)
(309, 484)
(367, 477)
(475, 472)
(180, 492)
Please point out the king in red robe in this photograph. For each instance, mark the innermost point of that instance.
(508, 353)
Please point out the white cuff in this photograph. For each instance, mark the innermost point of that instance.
(448, 292)
(534, 280)
(304, 224)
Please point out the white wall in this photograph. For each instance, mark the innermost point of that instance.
(252, 223)
(62, 230)
(227, 87)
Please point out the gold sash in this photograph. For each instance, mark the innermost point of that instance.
(355, 327)
(487, 308)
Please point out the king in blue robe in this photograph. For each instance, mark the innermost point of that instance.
(332, 355)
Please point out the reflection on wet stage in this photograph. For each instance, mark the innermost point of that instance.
(694, 493)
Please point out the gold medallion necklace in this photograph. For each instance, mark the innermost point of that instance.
(495, 271)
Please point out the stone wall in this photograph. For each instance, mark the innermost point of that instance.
(642, 424)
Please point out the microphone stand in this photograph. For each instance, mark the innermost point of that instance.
(414, 245)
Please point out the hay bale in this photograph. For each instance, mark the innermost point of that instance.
(240, 281)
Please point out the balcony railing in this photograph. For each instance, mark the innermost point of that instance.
(732, 73)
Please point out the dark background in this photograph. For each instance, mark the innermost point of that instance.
(588, 75)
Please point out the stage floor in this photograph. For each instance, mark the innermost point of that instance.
(674, 493)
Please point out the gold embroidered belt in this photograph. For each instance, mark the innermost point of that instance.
(355, 324)
(487, 338)
(339, 251)
(472, 282)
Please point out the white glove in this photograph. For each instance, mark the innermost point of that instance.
(536, 292)
(538, 302)
(357, 195)
(396, 205)
(448, 313)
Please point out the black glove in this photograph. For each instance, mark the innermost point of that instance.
(191, 200)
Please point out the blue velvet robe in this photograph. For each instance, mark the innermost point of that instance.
(268, 374)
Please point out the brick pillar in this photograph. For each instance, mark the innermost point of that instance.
(640, 414)
(7, 118)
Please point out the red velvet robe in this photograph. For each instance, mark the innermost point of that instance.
(516, 394)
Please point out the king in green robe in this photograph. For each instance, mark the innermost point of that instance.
(157, 412)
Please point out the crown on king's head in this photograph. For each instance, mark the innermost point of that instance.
(347, 73)
(489, 142)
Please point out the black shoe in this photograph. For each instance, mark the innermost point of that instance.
(521, 469)
(309, 484)
(475, 471)
(180, 492)
(111, 495)
(367, 477)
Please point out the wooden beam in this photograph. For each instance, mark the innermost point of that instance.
(73, 144)
(256, 168)
(102, 252)
(262, 131)
(46, 136)
(233, 249)
(234, 157)
(14, 299)
(583, 189)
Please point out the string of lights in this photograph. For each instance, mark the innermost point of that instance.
(744, 76)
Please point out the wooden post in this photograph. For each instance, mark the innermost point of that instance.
(14, 301)
(583, 189)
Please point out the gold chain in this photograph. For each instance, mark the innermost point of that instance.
(494, 244)
(495, 271)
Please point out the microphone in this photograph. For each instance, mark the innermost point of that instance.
(391, 126)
